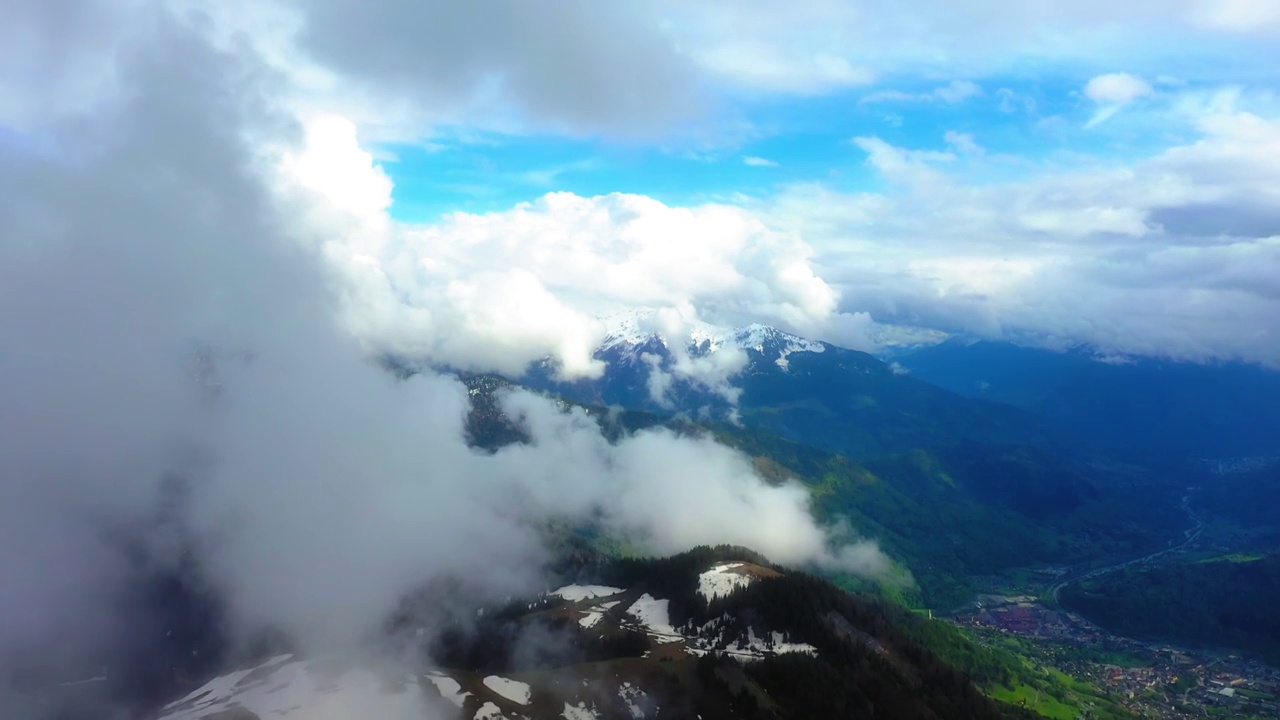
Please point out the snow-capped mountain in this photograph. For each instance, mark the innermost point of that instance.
(637, 331)
(822, 394)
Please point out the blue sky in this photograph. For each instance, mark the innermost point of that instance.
(775, 142)
(1050, 173)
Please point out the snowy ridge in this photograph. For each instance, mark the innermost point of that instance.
(637, 328)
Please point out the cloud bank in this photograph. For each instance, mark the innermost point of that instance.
(169, 322)
(1171, 255)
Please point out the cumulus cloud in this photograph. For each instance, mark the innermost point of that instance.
(169, 322)
(497, 291)
(753, 161)
(1171, 255)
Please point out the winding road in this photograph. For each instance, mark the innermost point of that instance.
(1189, 536)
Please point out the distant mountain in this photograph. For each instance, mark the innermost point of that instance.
(712, 634)
(1179, 408)
(813, 392)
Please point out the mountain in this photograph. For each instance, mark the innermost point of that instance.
(814, 392)
(711, 633)
(1130, 404)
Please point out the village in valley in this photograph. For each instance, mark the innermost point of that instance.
(1151, 679)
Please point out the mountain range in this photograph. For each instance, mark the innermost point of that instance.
(817, 393)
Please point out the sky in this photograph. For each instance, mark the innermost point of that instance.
(213, 214)
(1048, 174)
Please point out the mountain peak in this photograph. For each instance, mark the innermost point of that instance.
(639, 329)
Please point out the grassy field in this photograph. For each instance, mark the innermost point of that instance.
(1037, 700)
(1051, 692)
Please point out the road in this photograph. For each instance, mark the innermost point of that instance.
(1189, 536)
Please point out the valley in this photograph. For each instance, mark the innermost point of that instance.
(1025, 613)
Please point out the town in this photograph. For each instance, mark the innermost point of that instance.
(1154, 680)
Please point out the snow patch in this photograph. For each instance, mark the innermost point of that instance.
(757, 648)
(721, 581)
(595, 613)
(513, 690)
(449, 688)
(653, 614)
(721, 635)
(489, 711)
(577, 593)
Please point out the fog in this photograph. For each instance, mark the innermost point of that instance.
(169, 321)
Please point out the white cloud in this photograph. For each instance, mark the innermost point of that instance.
(1174, 255)
(1116, 88)
(1241, 16)
(762, 67)
(1112, 92)
(501, 290)
(954, 92)
(899, 164)
(753, 161)
(827, 45)
(963, 143)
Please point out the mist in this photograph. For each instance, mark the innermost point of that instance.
(170, 321)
